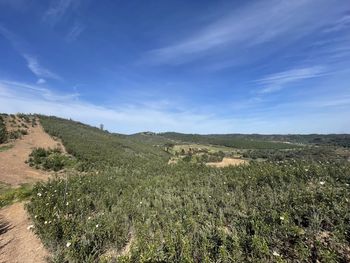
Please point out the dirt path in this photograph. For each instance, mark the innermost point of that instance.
(17, 241)
(13, 169)
(228, 162)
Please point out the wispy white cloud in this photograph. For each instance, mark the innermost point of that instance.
(256, 24)
(57, 10)
(281, 80)
(37, 69)
(75, 32)
(29, 91)
(41, 81)
(23, 97)
(32, 62)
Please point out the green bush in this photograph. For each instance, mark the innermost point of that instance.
(17, 134)
(51, 159)
(3, 132)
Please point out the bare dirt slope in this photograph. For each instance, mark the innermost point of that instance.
(17, 241)
(228, 162)
(13, 169)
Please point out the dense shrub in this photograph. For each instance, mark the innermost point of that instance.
(184, 213)
(51, 159)
(3, 132)
(17, 134)
(310, 153)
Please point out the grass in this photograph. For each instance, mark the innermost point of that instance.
(5, 147)
(9, 195)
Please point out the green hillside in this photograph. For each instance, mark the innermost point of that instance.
(258, 141)
(229, 140)
(134, 207)
(98, 148)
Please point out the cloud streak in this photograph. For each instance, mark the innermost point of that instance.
(249, 27)
(38, 70)
(74, 32)
(57, 10)
(32, 62)
(281, 80)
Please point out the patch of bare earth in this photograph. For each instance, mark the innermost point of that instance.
(113, 254)
(13, 169)
(228, 162)
(17, 241)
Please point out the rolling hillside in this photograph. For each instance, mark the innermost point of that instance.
(130, 205)
(97, 147)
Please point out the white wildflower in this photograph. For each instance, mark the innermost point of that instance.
(89, 217)
(67, 203)
(97, 226)
(45, 222)
(141, 203)
(322, 183)
(68, 244)
(276, 254)
(38, 194)
(282, 218)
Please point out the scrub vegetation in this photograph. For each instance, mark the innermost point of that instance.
(3, 132)
(9, 195)
(131, 206)
(51, 159)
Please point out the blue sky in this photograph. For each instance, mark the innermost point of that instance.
(270, 66)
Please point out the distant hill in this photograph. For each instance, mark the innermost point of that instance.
(258, 141)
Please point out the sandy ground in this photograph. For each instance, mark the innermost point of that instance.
(17, 242)
(228, 162)
(13, 169)
(112, 254)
